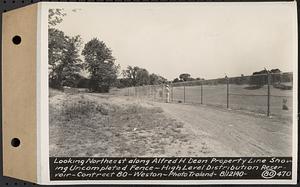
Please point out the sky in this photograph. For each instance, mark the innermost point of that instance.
(206, 40)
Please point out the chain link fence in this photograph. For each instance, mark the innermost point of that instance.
(269, 94)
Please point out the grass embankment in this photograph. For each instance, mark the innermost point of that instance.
(95, 125)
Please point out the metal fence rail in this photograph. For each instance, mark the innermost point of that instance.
(269, 94)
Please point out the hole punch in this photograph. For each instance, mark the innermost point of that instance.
(17, 40)
(15, 142)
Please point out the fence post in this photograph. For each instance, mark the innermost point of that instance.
(162, 91)
(227, 79)
(172, 93)
(148, 91)
(269, 93)
(183, 93)
(153, 92)
(201, 92)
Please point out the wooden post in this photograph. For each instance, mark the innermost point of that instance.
(269, 93)
(227, 92)
(162, 95)
(148, 91)
(154, 92)
(201, 93)
(183, 93)
(172, 93)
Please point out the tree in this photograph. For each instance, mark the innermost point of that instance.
(72, 64)
(55, 16)
(131, 74)
(56, 45)
(64, 62)
(83, 82)
(157, 79)
(142, 77)
(100, 64)
(63, 53)
(176, 80)
(123, 82)
(136, 76)
(185, 77)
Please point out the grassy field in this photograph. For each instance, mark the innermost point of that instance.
(250, 100)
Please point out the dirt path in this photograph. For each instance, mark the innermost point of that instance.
(240, 134)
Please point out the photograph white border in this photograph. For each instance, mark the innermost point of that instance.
(43, 91)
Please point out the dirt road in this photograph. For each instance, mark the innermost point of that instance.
(240, 134)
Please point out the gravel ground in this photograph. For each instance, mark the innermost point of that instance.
(242, 134)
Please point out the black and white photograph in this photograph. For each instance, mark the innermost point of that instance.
(153, 82)
(172, 80)
(150, 93)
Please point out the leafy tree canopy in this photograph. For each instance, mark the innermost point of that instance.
(64, 61)
(99, 62)
(185, 77)
(55, 16)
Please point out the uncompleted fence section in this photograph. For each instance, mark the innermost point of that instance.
(269, 94)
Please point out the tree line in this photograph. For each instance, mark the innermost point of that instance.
(137, 76)
(65, 64)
